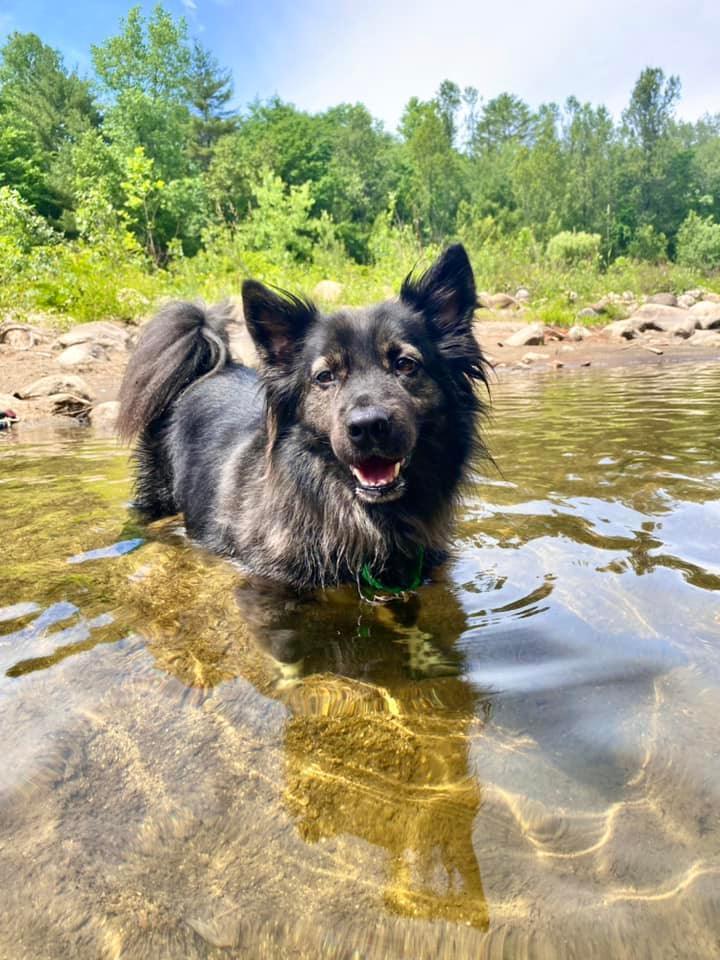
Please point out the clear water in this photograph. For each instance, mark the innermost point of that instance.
(532, 770)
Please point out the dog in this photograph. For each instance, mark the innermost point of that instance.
(340, 459)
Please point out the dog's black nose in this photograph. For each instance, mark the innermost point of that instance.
(368, 426)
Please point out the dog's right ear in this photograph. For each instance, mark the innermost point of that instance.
(277, 322)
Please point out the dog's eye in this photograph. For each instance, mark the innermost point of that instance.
(324, 378)
(406, 365)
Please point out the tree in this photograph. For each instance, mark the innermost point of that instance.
(210, 89)
(38, 91)
(503, 120)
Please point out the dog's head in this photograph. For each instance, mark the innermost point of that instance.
(380, 391)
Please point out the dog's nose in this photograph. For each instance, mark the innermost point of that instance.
(368, 425)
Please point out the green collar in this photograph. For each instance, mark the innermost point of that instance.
(382, 591)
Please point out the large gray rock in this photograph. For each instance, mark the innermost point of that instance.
(706, 313)
(330, 291)
(706, 338)
(81, 355)
(497, 301)
(681, 327)
(623, 329)
(664, 299)
(62, 383)
(105, 414)
(9, 402)
(104, 332)
(711, 297)
(686, 301)
(523, 294)
(656, 316)
(578, 333)
(533, 335)
(241, 344)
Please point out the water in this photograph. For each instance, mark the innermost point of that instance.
(528, 769)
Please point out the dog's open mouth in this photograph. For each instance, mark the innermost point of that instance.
(378, 478)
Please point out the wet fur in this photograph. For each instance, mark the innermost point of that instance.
(250, 457)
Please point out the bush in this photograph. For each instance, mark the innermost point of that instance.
(648, 244)
(698, 243)
(572, 248)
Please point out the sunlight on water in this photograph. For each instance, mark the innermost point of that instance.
(525, 763)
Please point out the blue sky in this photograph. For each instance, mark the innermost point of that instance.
(319, 52)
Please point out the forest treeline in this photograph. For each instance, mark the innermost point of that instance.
(142, 178)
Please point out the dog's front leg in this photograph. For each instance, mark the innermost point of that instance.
(275, 615)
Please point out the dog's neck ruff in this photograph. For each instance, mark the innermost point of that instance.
(376, 591)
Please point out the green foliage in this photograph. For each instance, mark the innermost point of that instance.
(699, 243)
(648, 244)
(572, 248)
(142, 178)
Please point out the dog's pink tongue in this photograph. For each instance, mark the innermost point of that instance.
(376, 472)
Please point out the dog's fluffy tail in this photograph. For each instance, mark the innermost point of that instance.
(184, 342)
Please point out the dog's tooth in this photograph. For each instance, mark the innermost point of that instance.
(396, 469)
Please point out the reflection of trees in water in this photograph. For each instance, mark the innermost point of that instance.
(376, 741)
(377, 748)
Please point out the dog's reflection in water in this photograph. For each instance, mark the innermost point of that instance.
(377, 740)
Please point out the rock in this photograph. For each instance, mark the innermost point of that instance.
(586, 363)
(686, 301)
(522, 294)
(658, 316)
(9, 402)
(328, 290)
(567, 348)
(558, 364)
(711, 297)
(588, 313)
(105, 414)
(682, 327)
(242, 347)
(628, 296)
(696, 293)
(103, 332)
(664, 299)
(706, 314)
(497, 301)
(706, 338)
(622, 329)
(533, 335)
(21, 336)
(81, 355)
(533, 357)
(578, 333)
(56, 384)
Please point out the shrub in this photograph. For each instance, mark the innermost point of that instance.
(698, 243)
(648, 244)
(572, 248)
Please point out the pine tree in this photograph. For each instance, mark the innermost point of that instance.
(210, 89)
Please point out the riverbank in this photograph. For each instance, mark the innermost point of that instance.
(47, 373)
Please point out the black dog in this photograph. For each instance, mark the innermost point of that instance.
(340, 459)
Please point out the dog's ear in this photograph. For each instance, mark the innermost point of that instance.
(277, 322)
(444, 294)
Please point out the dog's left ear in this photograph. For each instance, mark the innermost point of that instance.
(277, 322)
(444, 294)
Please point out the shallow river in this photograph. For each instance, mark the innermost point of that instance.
(532, 769)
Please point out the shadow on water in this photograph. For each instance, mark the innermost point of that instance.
(521, 762)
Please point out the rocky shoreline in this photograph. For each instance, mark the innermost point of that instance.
(46, 374)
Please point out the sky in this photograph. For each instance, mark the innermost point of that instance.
(316, 53)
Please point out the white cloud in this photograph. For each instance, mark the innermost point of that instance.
(329, 51)
(189, 4)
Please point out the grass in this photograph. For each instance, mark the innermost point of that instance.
(78, 282)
